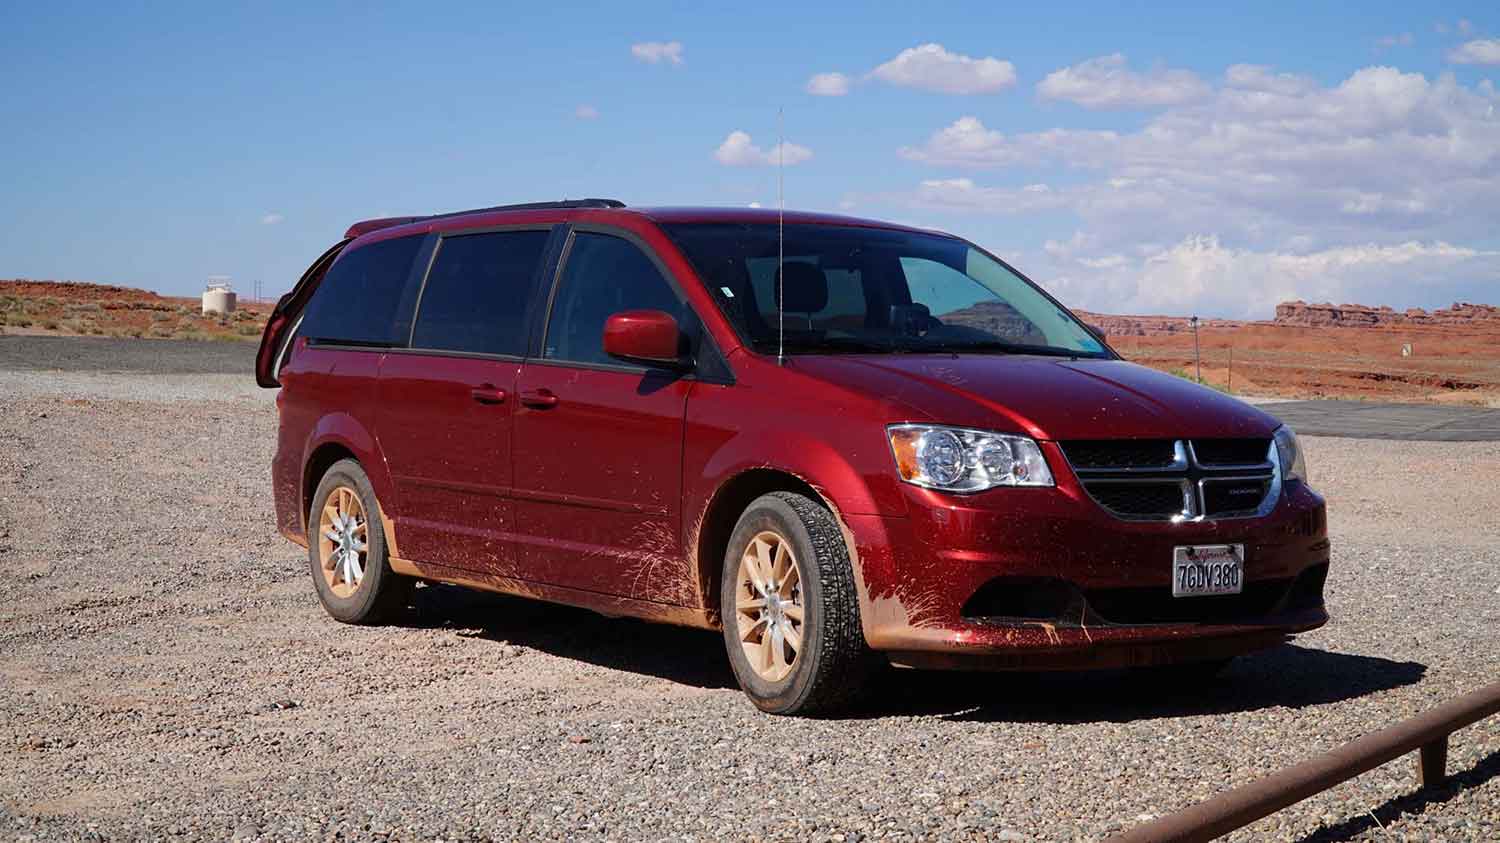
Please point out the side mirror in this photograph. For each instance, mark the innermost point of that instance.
(643, 336)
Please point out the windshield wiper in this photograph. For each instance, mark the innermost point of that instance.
(1001, 347)
(841, 344)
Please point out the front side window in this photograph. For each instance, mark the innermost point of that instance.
(478, 292)
(603, 275)
(853, 289)
(365, 299)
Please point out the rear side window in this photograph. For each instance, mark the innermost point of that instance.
(478, 293)
(603, 276)
(364, 295)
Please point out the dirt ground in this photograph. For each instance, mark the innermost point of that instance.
(166, 672)
(1446, 364)
(70, 309)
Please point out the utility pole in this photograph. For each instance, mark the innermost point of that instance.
(1230, 387)
(1197, 356)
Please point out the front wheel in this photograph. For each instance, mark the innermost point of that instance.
(790, 608)
(346, 549)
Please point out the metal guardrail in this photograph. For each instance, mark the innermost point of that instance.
(1426, 734)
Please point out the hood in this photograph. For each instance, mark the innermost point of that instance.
(1044, 397)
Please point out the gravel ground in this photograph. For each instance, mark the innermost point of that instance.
(165, 671)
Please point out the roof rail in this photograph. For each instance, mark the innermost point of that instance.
(535, 206)
(366, 226)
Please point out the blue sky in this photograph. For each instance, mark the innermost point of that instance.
(1158, 157)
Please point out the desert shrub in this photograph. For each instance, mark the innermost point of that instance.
(49, 324)
(83, 307)
(20, 322)
(160, 317)
(243, 315)
(248, 330)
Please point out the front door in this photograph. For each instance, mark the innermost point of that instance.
(446, 403)
(598, 442)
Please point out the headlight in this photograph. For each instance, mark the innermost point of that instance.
(957, 459)
(1293, 466)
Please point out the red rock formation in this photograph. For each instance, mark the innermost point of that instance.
(1461, 314)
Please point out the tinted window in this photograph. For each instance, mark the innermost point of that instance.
(364, 296)
(478, 292)
(603, 276)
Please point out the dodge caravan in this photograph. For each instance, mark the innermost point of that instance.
(844, 443)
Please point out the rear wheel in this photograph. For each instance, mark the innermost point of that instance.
(347, 550)
(790, 609)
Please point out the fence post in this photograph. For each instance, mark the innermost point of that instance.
(1432, 763)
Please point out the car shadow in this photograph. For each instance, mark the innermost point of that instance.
(1411, 804)
(1289, 675)
(687, 656)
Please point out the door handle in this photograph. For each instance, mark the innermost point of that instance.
(542, 399)
(487, 394)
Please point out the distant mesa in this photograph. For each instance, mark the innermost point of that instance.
(1359, 316)
(1300, 314)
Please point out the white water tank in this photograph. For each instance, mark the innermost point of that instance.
(218, 298)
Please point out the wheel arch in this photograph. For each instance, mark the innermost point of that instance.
(317, 464)
(342, 436)
(723, 512)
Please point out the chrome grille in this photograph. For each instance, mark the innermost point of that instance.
(1178, 479)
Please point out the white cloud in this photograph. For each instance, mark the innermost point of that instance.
(272, 219)
(1258, 77)
(1366, 190)
(1200, 274)
(1382, 154)
(929, 67)
(1107, 82)
(828, 85)
(656, 52)
(586, 112)
(753, 205)
(1386, 42)
(1479, 51)
(969, 143)
(738, 150)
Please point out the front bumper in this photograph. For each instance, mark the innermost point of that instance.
(938, 587)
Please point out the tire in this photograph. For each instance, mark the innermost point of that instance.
(377, 593)
(831, 663)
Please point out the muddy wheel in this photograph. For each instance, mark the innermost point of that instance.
(347, 551)
(790, 609)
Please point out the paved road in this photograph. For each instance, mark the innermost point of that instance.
(1354, 419)
(1368, 420)
(102, 354)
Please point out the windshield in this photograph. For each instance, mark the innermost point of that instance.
(849, 289)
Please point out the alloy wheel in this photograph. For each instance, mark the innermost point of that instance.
(768, 606)
(343, 545)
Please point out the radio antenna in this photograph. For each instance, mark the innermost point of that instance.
(780, 236)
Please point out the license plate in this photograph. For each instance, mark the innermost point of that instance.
(1203, 569)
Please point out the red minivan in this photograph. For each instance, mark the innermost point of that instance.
(845, 443)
